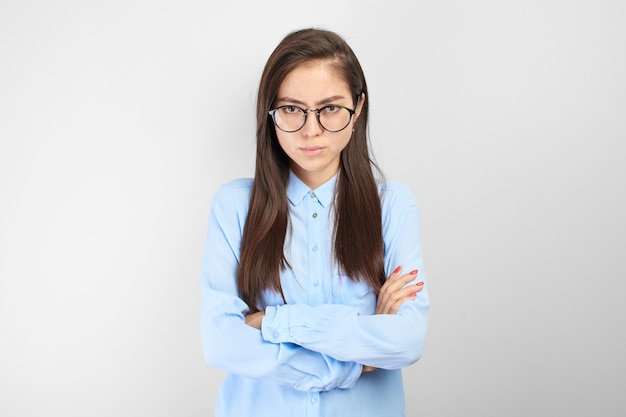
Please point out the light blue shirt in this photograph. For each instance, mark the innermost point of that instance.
(307, 359)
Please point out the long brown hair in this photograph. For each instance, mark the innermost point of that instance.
(358, 241)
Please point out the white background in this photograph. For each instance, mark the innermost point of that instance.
(120, 119)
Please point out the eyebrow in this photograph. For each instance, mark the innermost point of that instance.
(319, 103)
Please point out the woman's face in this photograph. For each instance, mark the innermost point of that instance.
(315, 152)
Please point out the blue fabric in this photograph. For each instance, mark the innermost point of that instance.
(307, 359)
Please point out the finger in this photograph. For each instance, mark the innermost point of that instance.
(391, 303)
(393, 308)
(396, 280)
(393, 291)
(391, 285)
(411, 289)
(407, 293)
(394, 275)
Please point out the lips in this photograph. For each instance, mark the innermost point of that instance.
(312, 150)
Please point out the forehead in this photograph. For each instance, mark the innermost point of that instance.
(311, 81)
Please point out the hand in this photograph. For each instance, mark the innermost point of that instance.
(395, 292)
(255, 319)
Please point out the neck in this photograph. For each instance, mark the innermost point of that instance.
(313, 179)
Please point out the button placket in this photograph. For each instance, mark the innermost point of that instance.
(314, 234)
(314, 406)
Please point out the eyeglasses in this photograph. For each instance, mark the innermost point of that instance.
(332, 118)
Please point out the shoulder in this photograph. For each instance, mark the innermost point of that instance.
(234, 194)
(394, 193)
(400, 210)
(237, 187)
(239, 184)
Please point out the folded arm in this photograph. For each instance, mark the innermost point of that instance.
(388, 341)
(228, 342)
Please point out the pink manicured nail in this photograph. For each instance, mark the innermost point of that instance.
(413, 272)
(395, 271)
(419, 284)
(413, 295)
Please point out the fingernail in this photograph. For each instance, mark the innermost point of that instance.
(413, 272)
(419, 284)
(413, 295)
(395, 271)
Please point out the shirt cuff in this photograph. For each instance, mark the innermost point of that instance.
(275, 324)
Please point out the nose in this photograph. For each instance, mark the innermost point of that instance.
(312, 126)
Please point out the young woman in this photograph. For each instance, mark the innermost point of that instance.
(310, 292)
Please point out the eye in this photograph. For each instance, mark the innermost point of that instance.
(331, 109)
(290, 109)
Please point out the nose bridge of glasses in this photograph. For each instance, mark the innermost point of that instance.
(317, 122)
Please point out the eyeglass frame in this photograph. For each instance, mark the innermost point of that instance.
(306, 112)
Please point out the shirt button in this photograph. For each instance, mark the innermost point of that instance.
(314, 400)
(315, 215)
(314, 248)
(313, 195)
(275, 334)
(316, 283)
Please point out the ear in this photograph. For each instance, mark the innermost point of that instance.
(359, 107)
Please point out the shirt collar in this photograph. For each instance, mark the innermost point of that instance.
(297, 190)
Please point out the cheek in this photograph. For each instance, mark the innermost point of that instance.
(282, 141)
(343, 141)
